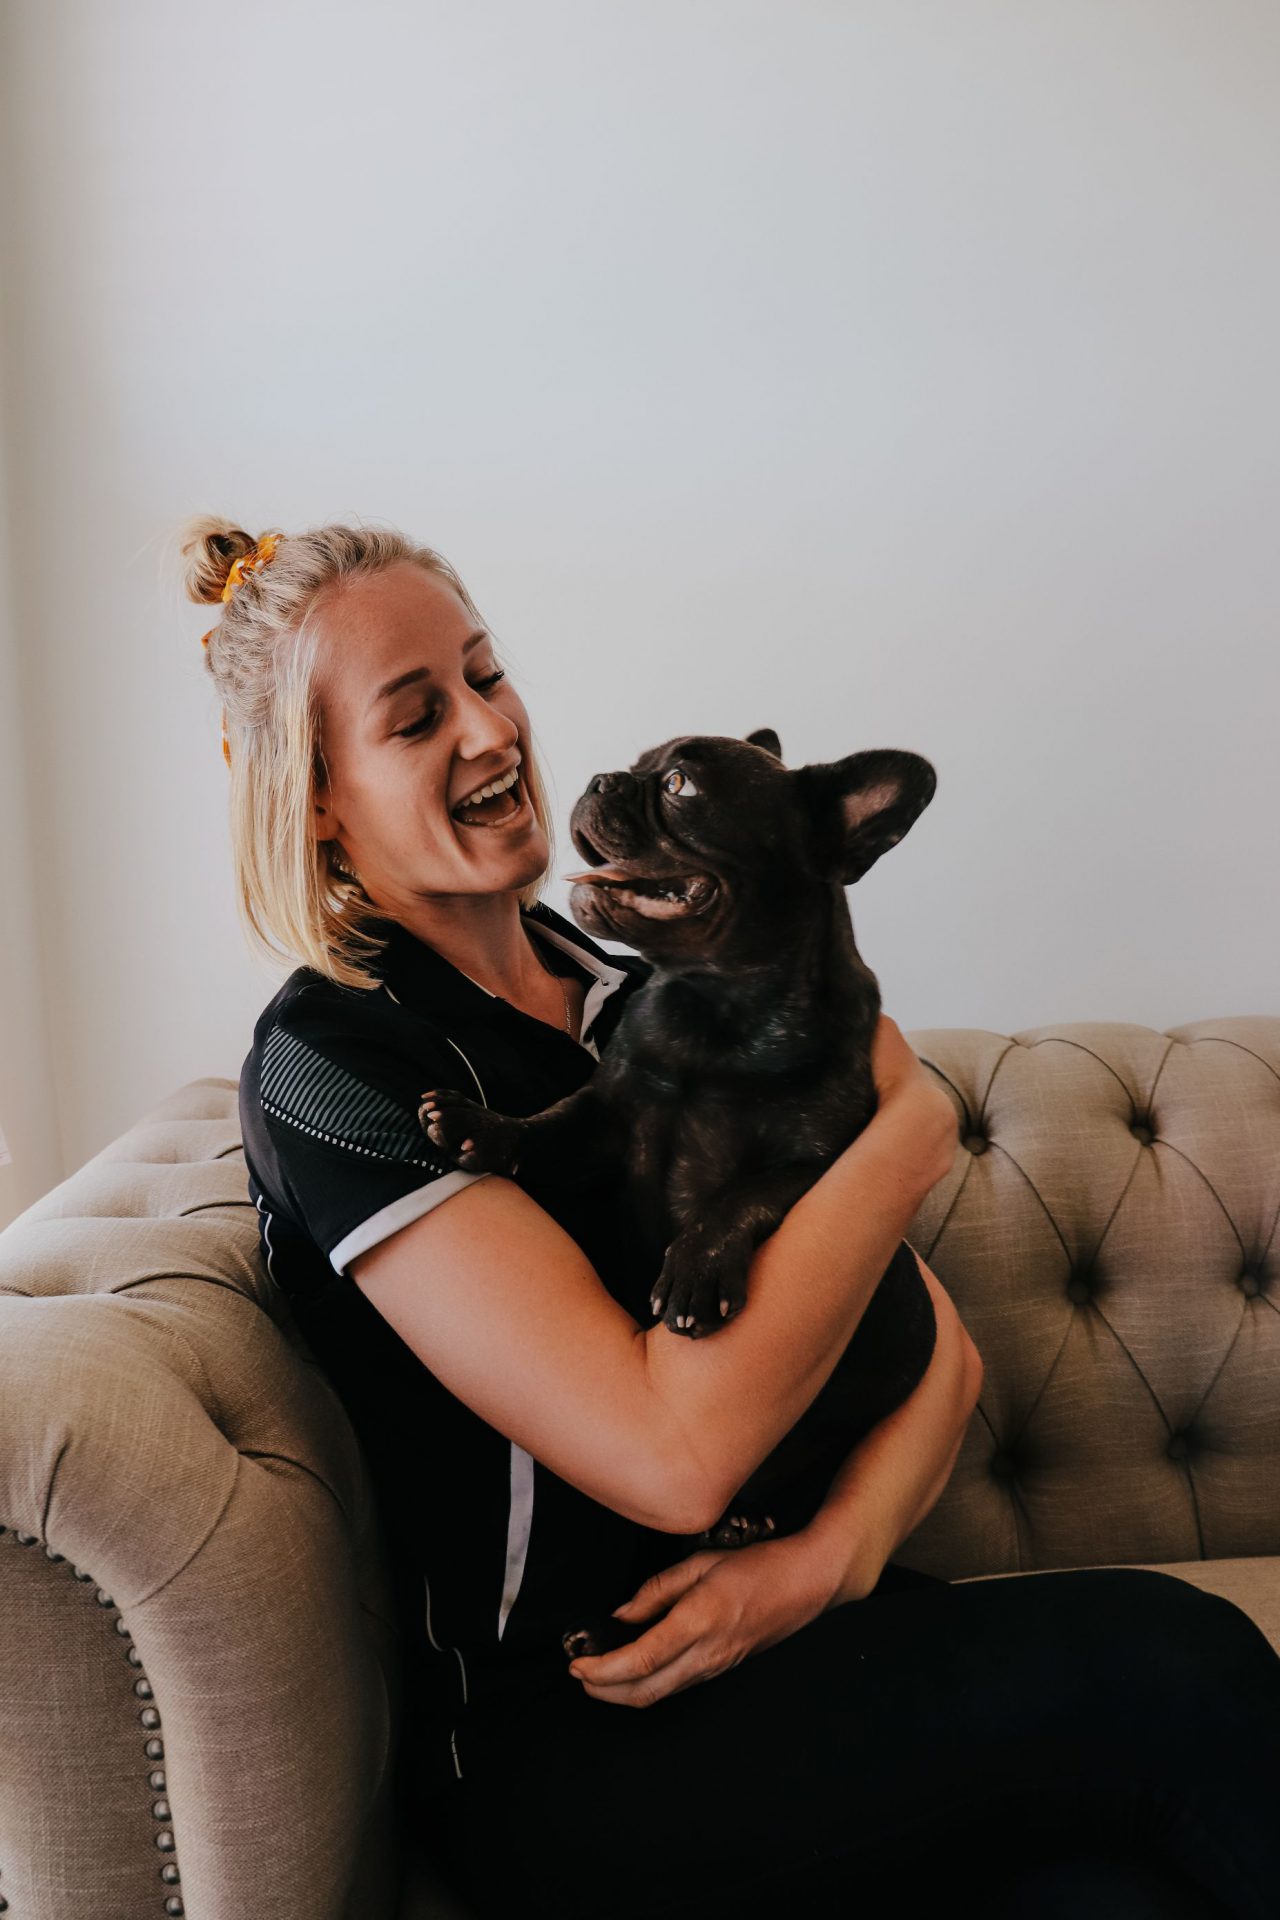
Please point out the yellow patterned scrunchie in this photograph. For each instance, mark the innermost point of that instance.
(262, 555)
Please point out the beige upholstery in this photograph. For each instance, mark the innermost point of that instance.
(190, 1556)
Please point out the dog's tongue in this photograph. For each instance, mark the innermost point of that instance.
(606, 874)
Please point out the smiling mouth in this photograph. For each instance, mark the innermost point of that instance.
(495, 811)
(671, 896)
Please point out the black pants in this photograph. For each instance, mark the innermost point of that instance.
(1102, 1742)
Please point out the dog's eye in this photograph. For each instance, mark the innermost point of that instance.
(684, 784)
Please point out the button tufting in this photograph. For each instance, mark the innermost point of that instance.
(976, 1142)
(1002, 1466)
(1250, 1283)
(1079, 1289)
(1178, 1448)
(1141, 1129)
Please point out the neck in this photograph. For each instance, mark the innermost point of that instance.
(484, 937)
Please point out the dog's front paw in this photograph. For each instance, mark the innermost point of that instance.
(739, 1530)
(480, 1140)
(702, 1285)
(600, 1636)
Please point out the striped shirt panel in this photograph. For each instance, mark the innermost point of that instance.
(306, 1090)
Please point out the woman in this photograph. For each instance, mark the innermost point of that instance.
(1105, 1740)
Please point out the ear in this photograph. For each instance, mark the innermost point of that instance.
(766, 737)
(859, 807)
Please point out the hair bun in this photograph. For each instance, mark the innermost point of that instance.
(210, 548)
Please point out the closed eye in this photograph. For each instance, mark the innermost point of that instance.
(422, 725)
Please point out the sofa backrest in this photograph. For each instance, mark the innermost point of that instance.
(1108, 1234)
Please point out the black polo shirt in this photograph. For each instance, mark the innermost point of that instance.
(494, 1555)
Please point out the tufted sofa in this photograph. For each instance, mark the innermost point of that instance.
(198, 1667)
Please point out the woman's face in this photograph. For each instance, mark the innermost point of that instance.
(412, 722)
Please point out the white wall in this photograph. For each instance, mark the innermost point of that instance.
(30, 1153)
(891, 374)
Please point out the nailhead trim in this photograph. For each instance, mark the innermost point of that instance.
(149, 1716)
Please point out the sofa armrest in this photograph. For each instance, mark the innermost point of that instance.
(199, 1671)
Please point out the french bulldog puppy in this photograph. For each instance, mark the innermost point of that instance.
(742, 1068)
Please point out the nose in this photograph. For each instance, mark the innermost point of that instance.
(610, 782)
(484, 728)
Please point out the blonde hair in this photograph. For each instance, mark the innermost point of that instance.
(296, 897)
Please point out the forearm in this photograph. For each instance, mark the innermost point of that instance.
(739, 1391)
(896, 1473)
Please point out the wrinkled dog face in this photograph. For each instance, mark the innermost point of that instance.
(706, 830)
(674, 843)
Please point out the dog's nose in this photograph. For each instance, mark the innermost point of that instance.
(609, 782)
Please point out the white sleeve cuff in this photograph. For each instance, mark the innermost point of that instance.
(389, 1220)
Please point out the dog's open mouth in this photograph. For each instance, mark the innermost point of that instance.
(668, 896)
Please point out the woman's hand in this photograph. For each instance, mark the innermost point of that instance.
(716, 1608)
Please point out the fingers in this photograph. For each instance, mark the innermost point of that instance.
(696, 1663)
(662, 1588)
(641, 1658)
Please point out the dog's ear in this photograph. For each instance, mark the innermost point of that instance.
(766, 737)
(859, 807)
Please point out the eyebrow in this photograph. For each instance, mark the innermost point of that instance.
(422, 673)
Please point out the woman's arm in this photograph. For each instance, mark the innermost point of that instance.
(897, 1471)
(510, 1315)
(714, 1609)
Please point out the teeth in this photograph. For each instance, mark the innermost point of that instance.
(496, 786)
